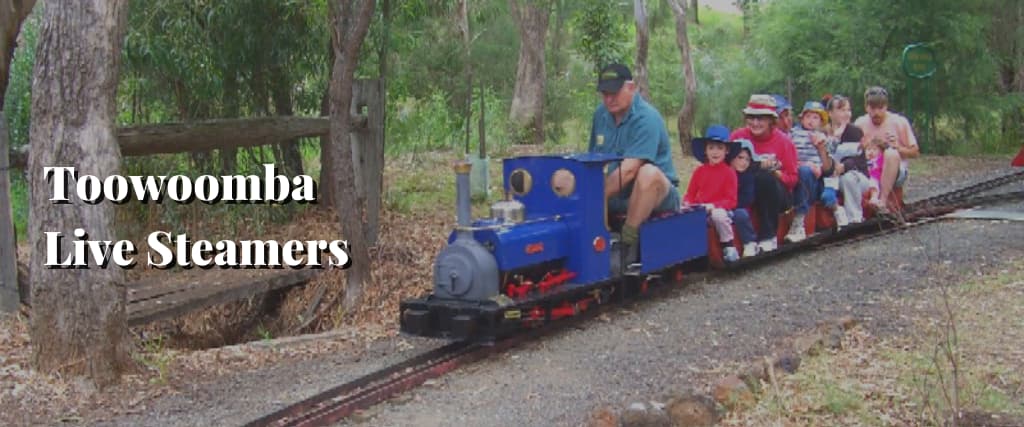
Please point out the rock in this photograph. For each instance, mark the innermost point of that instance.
(692, 410)
(363, 415)
(832, 336)
(752, 374)
(787, 362)
(603, 416)
(732, 392)
(809, 343)
(639, 415)
(847, 322)
(402, 398)
(987, 419)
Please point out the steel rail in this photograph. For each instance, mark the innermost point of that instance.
(341, 401)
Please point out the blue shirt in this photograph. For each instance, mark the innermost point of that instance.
(641, 135)
(745, 190)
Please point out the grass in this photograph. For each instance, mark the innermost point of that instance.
(157, 358)
(891, 381)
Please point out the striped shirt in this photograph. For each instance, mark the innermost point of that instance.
(805, 150)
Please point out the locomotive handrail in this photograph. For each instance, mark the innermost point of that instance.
(507, 224)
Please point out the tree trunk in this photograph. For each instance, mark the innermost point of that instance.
(527, 112)
(9, 298)
(689, 110)
(694, 9)
(12, 15)
(79, 323)
(232, 108)
(288, 150)
(643, 34)
(349, 23)
(558, 38)
(463, 26)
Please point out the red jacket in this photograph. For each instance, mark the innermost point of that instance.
(715, 184)
(776, 143)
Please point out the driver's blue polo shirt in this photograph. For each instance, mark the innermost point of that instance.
(641, 135)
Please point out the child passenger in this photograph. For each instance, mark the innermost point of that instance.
(713, 184)
(744, 164)
(873, 151)
(809, 141)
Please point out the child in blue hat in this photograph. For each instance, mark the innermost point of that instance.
(713, 184)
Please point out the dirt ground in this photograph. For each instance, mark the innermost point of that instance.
(362, 340)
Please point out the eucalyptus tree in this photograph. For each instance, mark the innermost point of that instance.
(689, 109)
(527, 112)
(10, 26)
(643, 36)
(79, 321)
(349, 23)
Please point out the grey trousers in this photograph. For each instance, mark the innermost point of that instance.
(853, 184)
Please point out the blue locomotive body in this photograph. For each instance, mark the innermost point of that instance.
(546, 252)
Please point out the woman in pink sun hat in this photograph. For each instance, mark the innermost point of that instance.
(776, 175)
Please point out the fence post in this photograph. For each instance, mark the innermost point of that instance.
(368, 150)
(8, 247)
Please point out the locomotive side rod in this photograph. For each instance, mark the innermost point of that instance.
(339, 402)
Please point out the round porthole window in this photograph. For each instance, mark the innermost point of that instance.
(563, 183)
(520, 182)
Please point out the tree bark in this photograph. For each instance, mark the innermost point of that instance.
(463, 25)
(694, 10)
(527, 112)
(689, 109)
(9, 297)
(558, 38)
(12, 15)
(643, 34)
(79, 322)
(350, 21)
(288, 151)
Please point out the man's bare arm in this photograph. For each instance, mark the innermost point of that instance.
(622, 176)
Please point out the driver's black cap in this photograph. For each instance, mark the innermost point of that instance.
(612, 78)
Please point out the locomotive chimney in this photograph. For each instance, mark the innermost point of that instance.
(462, 205)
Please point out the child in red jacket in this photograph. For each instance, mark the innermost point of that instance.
(713, 184)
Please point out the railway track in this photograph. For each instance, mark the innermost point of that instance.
(335, 404)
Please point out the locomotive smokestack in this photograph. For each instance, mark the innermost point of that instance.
(462, 206)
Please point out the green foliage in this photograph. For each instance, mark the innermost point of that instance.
(825, 46)
(726, 73)
(18, 99)
(17, 110)
(604, 35)
(19, 204)
(569, 95)
(155, 356)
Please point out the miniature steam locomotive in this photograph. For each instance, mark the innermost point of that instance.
(545, 253)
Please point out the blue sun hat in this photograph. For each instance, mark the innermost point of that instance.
(745, 144)
(781, 103)
(715, 133)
